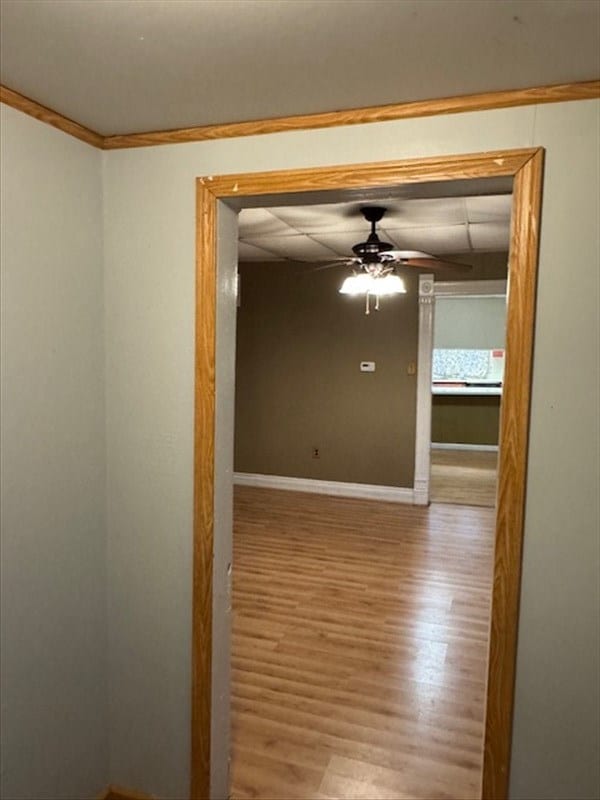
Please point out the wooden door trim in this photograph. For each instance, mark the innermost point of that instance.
(512, 474)
(525, 167)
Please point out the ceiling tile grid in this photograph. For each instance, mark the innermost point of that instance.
(296, 247)
(490, 235)
(314, 233)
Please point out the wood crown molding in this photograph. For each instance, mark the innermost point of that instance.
(420, 108)
(557, 93)
(50, 117)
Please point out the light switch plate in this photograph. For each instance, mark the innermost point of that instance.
(367, 366)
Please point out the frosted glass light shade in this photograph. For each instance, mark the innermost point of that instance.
(358, 284)
(364, 283)
(389, 284)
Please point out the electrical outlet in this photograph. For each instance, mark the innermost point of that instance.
(315, 453)
(412, 368)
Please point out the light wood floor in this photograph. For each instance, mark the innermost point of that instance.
(466, 477)
(359, 647)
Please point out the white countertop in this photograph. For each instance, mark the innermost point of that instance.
(467, 390)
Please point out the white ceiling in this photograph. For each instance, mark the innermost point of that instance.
(121, 66)
(316, 233)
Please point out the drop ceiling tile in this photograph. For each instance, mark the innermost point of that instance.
(422, 213)
(437, 240)
(331, 218)
(300, 248)
(347, 217)
(443, 239)
(248, 252)
(260, 222)
(492, 208)
(490, 236)
(340, 243)
(324, 231)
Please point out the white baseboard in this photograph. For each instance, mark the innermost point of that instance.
(365, 491)
(491, 448)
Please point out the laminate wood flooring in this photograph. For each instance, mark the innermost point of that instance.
(466, 477)
(360, 637)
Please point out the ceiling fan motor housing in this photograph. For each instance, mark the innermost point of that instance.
(369, 251)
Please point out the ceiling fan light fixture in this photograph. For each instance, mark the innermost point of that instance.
(388, 284)
(364, 283)
(358, 284)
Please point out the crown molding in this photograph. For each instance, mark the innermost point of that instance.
(422, 108)
(50, 117)
(558, 93)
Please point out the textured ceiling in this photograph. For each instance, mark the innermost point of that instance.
(317, 233)
(121, 66)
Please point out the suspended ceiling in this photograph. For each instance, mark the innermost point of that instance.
(318, 233)
(119, 66)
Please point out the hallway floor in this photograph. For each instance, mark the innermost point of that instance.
(359, 647)
(466, 477)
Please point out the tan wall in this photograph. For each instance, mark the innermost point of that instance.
(298, 383)
(468, 420)
(486, 267)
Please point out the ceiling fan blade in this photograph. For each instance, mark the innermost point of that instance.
(435, 263)
(339, 262)
(406, 254)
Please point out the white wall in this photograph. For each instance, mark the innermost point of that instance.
(53, 558)
(556, 725)
(149, 261)
(53, 648)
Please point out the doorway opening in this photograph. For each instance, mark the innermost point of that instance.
(333, 647)
(228, 194)
(469, 338)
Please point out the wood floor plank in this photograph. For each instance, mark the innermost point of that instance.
(466, 477)
(420, 760)
(359, 654)
(379, 778)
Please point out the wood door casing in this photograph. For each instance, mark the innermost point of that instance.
(525, 167)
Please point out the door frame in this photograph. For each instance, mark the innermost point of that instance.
(424, 404)
(525, 166)
(429, 291)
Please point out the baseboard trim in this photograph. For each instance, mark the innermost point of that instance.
(122, 793)
(491, 448)
(364, 491)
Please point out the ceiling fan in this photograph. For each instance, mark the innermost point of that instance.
(374, 263)
(376, 257)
